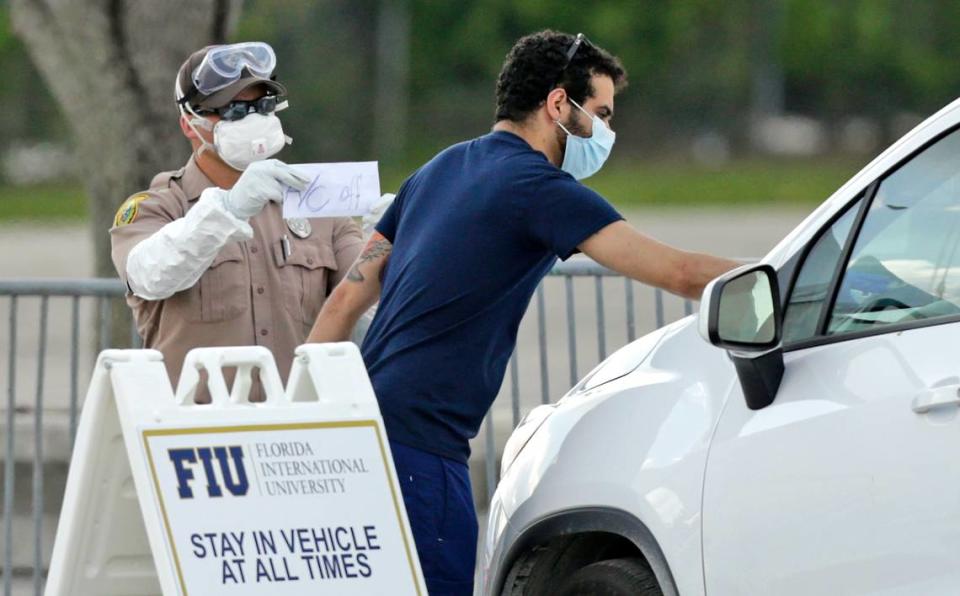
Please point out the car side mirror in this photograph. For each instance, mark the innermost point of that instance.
(740, 312)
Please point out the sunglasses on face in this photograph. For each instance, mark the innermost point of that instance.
(239, 108)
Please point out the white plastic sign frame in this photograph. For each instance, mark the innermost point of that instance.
(294, 495)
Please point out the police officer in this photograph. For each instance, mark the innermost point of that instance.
(205, 252)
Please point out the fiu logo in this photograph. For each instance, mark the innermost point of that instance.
(186, 459)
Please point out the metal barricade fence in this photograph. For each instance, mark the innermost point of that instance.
(81, 302)
(62, 361)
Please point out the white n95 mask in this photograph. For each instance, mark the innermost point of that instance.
(254, 137)
(584, 156)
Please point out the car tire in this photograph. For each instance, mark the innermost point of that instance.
(613, 577)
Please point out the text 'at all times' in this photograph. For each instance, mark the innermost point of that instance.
(341, 552)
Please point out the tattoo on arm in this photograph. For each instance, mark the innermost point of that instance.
(374, 250)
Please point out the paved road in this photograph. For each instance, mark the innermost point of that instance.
(29, 250)
(66, 251)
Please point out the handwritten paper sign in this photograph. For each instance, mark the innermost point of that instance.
(335, 190)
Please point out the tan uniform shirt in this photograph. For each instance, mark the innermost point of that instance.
(250, 294)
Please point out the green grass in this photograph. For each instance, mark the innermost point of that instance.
(47, 203)
(745, 182)
(626, 183)
(636, 183)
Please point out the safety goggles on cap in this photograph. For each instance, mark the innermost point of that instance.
(224, 65)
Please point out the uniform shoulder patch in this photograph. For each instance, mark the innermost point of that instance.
(127, 212)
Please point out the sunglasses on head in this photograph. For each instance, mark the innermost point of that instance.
(571, 52)
(239, 108)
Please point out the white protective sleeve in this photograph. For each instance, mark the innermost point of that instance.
(176, 255)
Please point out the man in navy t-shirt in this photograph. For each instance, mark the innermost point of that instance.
(456, 259)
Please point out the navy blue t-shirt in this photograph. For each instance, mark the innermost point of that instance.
(473, 232)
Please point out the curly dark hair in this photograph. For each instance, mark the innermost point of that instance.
(535, 66)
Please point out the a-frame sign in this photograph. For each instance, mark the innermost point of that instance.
(294, 495)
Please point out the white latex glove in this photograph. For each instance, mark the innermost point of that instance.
(260, 183)
(371, 219)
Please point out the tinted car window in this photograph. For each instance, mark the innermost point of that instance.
(809, 295)
(905, 265)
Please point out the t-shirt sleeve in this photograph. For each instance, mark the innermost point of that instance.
(562, 213)
(390, 221)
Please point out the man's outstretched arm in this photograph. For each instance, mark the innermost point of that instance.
(358, 291)
(622, 248)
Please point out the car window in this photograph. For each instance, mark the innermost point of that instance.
(809, 295)
(905, 265)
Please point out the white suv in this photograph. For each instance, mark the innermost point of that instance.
(816, 452)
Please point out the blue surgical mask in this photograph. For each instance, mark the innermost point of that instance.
(584, 156)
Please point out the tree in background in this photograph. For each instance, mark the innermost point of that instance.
(396, 80)
(111, 67)
(31, 114)
(876, 58)
(346, 64)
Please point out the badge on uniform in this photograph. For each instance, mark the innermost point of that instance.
(300, 227)
(128, 211)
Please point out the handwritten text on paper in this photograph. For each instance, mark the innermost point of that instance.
(335, 190)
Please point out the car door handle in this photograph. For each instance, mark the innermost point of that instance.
(937, 397)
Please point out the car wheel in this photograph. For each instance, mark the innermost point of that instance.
(614, 577)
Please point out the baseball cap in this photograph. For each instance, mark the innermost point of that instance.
(221, 97)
